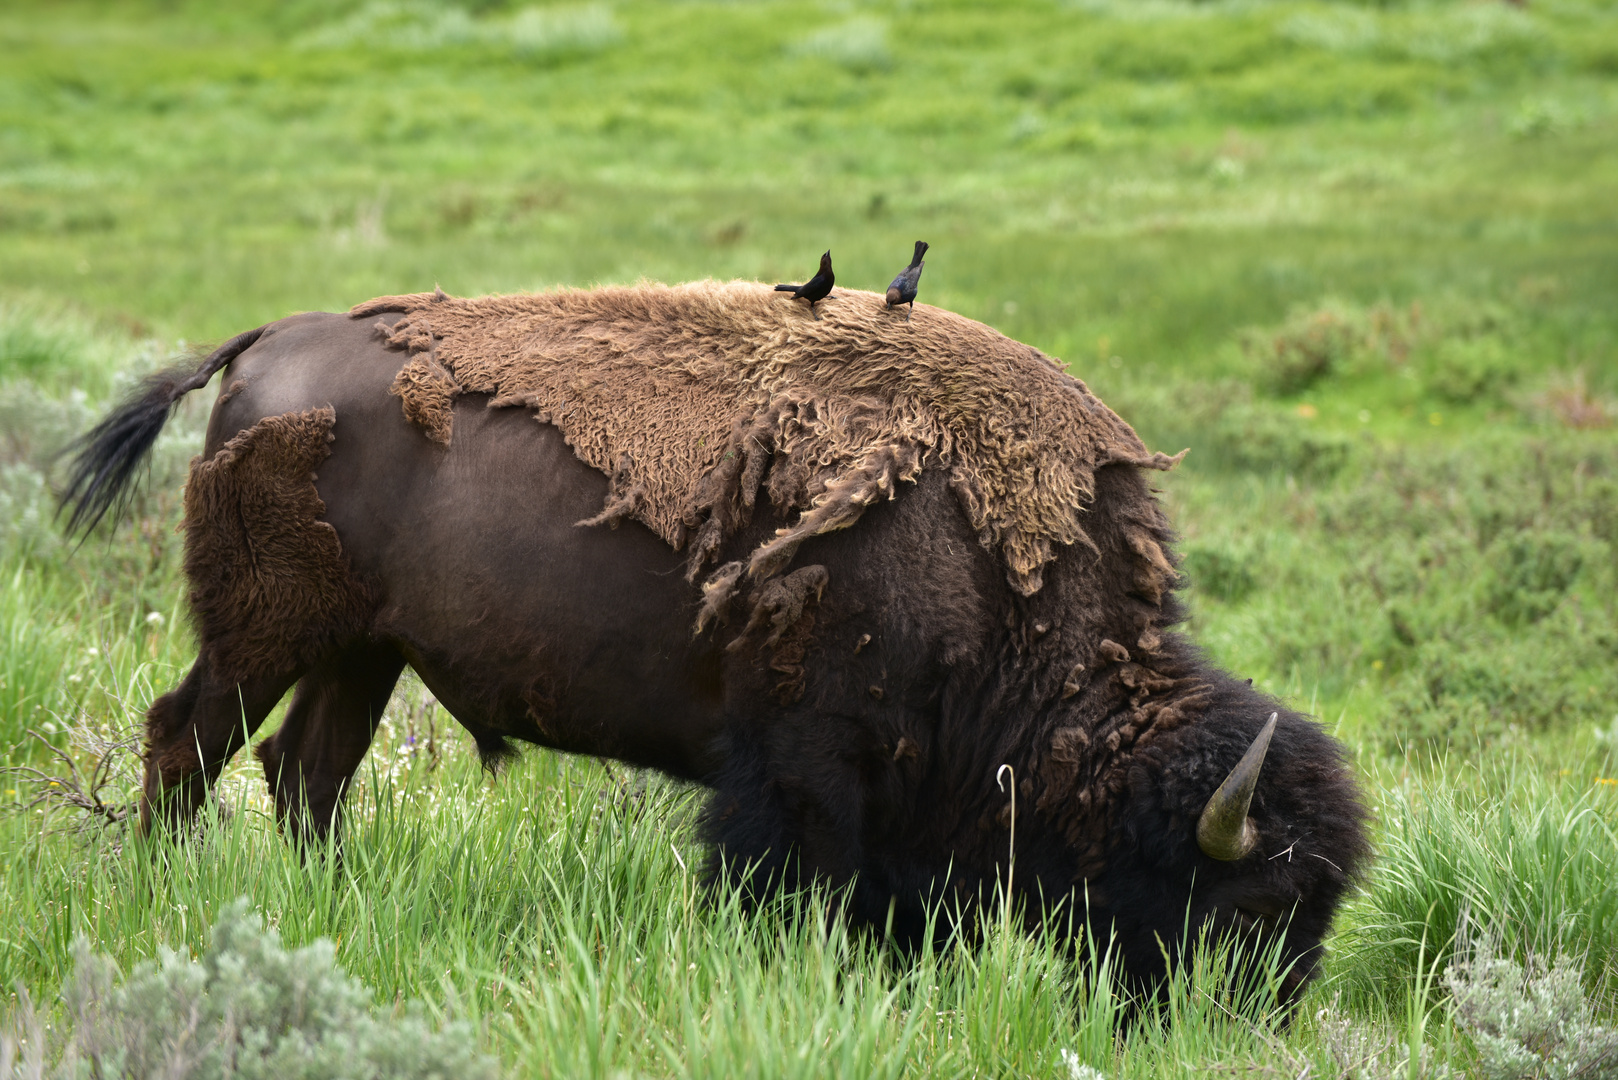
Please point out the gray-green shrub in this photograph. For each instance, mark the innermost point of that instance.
(248, 1008)
(1529, 1021)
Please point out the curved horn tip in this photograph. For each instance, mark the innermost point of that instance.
(1224, 831)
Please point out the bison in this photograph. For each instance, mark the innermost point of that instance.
(898, 593)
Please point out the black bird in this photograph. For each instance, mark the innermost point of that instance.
(816, 288)
(903, 289)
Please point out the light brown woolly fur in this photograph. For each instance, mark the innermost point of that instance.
(270, 587)
(691, 397)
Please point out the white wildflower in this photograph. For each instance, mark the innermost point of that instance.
(1078, 1070)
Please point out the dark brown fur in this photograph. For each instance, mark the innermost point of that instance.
(270, 588)
(851, 718)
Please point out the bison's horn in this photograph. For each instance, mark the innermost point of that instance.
(1224, 831)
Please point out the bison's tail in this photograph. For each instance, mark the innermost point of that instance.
(108, 456)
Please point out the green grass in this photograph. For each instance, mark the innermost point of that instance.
(1500, 845)
(559, 906)
(1359, 257)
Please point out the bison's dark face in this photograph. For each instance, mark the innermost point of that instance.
(1278, 871)
(1152, 791)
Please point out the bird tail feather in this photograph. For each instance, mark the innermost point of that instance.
(786, 288)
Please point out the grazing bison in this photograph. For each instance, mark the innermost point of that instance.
(841, 571)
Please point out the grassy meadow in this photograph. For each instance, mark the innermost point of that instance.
(1361, 258)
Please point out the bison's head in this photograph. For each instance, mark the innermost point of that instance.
(1245, 825)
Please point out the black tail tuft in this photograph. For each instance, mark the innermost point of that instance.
(787, 288)
(112, 452)
(109, 455)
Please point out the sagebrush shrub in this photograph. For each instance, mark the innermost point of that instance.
(1530, 573)
(1464, 370)
(248, 1008)
(1308, 348)
(1483, 582)
(1529, 1022)
(1220, 568)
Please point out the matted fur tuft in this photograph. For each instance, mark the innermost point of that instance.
(693, 397)
(270, 585)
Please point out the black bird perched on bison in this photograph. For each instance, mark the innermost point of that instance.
(816, 288)
(903, 288)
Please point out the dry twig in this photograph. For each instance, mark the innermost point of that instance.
(71, 787)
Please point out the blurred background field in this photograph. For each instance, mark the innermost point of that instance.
(1361, 258)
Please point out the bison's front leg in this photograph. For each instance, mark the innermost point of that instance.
(781, 817)
(191, 732)
(311, 759)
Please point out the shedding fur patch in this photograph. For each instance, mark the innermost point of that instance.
(786, 605)
(711, 391)
(1081, 774)
(428, 392)
(780, 603)
(270, 587)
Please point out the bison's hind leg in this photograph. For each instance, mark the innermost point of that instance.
(191, 732)
(311, 759)
(273, 598)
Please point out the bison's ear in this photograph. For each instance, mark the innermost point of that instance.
(1224, 831)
